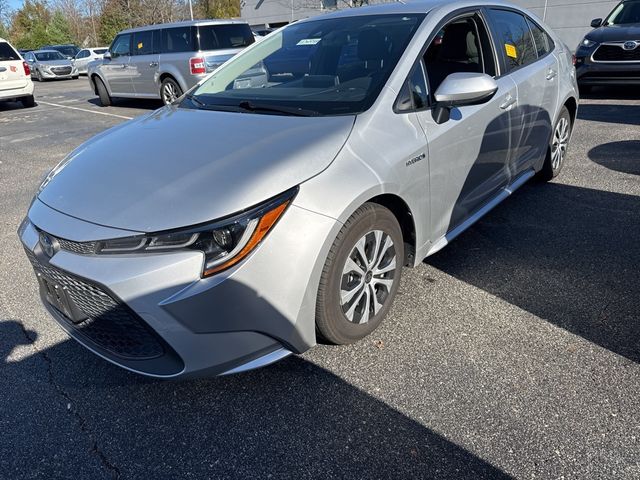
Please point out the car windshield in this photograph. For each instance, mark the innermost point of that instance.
(333, 66)
(625, 13)
(69, 51)
(48, 56)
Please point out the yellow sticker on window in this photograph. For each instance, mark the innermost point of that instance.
(140, 46)
(511, 50)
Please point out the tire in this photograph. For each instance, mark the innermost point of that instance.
(169, 90)
(105, 99)
(75, 77)
(559, 143)
(39, 76)
(346, 321)
(28, 102)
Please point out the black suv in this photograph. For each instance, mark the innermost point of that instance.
(610, 54)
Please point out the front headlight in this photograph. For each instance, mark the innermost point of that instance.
(587, 43)
(224, 243)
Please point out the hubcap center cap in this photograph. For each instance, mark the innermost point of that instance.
(368, 277)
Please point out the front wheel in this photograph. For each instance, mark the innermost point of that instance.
(169, 91)
(105, 99)
(361, 276)
(557, 151)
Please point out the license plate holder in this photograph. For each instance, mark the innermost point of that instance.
(58, 297)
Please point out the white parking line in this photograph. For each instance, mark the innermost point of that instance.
(84, 110)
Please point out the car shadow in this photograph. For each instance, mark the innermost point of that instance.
(622, 156)
(567, 254)
(293, 419)
(610, 113)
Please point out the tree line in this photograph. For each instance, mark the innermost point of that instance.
(90, 23)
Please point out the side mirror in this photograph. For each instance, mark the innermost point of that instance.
(107, 55)
(596, 22)
(460, 89)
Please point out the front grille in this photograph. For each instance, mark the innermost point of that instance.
(83, 248)
(615, 53)
(111, 325)
(61, 70)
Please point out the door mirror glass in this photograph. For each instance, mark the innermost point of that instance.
(462, 88)
(596, 22)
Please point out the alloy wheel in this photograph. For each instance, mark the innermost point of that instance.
(169, 93)
(367, 276)
(559, 143)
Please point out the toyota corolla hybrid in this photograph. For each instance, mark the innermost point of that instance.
(255, 215)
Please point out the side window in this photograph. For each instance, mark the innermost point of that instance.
(143, 42)
(514, 38)
(413, 95)
(157, 41)
(462, 45)
(543, 42)
(177, 40)
(121, 46)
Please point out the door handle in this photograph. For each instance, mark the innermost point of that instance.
(153, 64)
(509, 102)
(124, 66)
(551, 74)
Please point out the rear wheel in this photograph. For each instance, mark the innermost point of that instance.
(558, 147)
(28, 102)
(169, 91)
(361, 275)
(105, 99)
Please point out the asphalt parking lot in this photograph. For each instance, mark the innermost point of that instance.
(514, 352)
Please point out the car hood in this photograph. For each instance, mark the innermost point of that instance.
(179, 167)
(55, 63)
(615, 33)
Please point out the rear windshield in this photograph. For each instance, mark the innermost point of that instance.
(7, 53)
(48, 56)
(216, 37)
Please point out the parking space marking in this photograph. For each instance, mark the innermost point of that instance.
(85, 110)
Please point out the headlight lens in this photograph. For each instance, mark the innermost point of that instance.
(224, 243)
(588, 43)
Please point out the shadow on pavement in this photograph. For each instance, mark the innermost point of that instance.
(610, 113)
(147, 104)
(622, 156)
(568, 255)
(291, 420)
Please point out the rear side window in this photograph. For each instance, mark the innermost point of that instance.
(143, 42)
(178, 39)
(215, 37)
(7, 53)
(514, 38)
(100, 51)
(543, 42)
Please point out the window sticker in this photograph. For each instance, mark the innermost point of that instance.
(140, 46)
(308, 41)
(511, 50)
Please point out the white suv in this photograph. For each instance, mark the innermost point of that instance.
(15, 76)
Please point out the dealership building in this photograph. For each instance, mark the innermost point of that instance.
(569, 18)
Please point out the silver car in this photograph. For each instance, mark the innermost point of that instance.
(86, 56)
(163, 61)
(241, 224)
(50, 65)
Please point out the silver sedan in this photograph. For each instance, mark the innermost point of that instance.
(251, 218)
(49, 65)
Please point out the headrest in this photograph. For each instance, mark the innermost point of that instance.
(455, 42)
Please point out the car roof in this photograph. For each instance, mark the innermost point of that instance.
(412, 6)
(186, 23)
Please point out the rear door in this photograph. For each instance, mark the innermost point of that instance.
(12, 76)
(144, 63)
(537, 82)
(116, 70)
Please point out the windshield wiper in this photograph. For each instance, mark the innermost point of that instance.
(261, 107)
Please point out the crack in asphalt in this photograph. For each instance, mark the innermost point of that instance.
(82, 423)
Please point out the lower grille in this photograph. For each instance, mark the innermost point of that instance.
(61, 70)
(111, 325)
(615, 53)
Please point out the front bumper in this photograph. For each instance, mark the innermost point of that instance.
(245, 317)
(590, 72)
(50, 75)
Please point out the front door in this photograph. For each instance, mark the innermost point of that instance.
(116, 70)
(468, 154)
